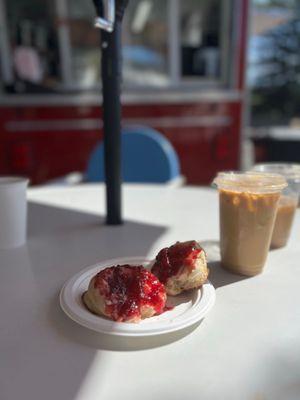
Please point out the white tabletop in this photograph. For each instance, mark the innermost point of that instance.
(248, 347)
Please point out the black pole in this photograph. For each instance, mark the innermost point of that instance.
(110, 14)
(111, 81)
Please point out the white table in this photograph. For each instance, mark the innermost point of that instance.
(248, 347)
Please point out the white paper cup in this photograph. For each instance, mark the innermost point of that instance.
(13, 212)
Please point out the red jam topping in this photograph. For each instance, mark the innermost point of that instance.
(127, 288)
(171, 260)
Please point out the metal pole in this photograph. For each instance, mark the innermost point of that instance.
(109, 19)
(111, 81)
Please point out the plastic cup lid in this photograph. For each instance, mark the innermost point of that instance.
(254, 182)
(289, 170)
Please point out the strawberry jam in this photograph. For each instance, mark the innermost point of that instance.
(171, 260)
(126, 289)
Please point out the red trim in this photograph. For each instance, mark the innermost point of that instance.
(49, 153)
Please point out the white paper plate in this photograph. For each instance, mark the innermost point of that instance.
(189, 307)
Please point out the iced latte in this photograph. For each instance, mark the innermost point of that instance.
(288, 201)
(248, 205)
(284, 221)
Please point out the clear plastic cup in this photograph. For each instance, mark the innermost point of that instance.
(13, 212)
(288, 201)
(248, 205)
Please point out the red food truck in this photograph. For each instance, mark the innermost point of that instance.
(183, 74)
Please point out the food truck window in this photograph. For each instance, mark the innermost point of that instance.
(145, 38)
(145, 44)
(32, 45)
(85, 44)
(54, 47)
(173, 42)
(200, 28)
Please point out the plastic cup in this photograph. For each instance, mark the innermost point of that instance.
(288, 201)
(248, 205)
(13, 212)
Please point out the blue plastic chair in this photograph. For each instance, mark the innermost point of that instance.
(147, 157)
